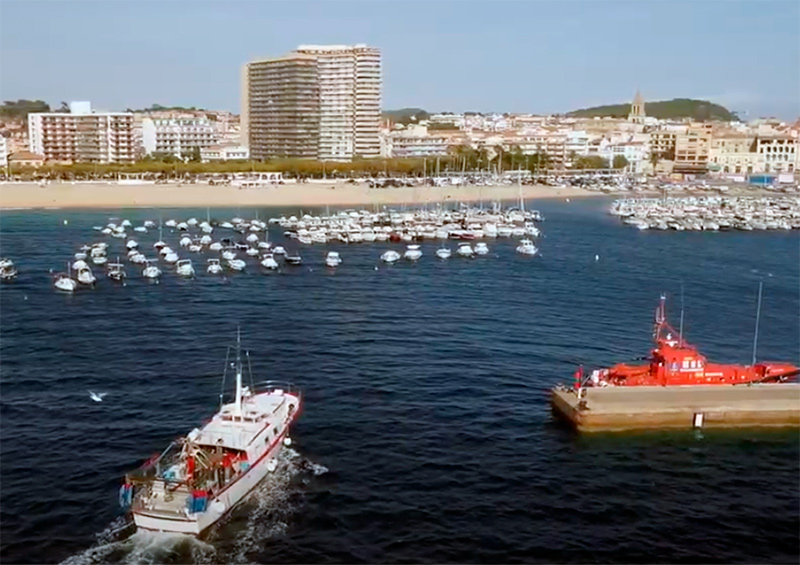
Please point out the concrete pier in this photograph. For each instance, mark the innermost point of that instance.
(654, 407)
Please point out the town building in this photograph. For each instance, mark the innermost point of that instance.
(25, 159)
(416, 141)
(224, 153)
(82, 135)
(3, 152)
(777, 154)
(181, 137)
(318, 102)
(733, 153)
(637, 115)
(692, 149)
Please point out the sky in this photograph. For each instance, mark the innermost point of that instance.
(506, 56)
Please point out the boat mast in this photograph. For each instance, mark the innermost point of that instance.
(680, 330)
(238, 372)
(758, 318)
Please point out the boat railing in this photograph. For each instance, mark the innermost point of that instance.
(272, 386)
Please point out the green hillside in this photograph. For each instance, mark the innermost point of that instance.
(675, 109)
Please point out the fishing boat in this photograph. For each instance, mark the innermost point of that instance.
(201, 477)
(675, 362)
(7, 270)
(526, 247)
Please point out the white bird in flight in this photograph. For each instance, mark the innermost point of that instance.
(97, 397)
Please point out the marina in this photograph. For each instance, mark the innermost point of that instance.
(709, 213)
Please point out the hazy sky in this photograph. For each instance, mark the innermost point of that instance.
(514, 56)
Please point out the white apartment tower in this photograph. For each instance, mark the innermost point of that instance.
(181, 137)
(82, 135)
(320, 101)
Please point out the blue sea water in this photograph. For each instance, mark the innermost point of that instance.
(426, 435)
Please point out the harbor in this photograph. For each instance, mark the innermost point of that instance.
(614, 409)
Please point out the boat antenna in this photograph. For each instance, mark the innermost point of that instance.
(238, 371)
(680, 330)
(224, 374)
(758, 319)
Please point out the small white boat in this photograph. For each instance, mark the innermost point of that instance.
(264, 245)
(269, 262)
(333, 259)
(481, 248)
(465, 250)
(279, 250)
(100, 260)
(171, 257)
(131, 244)
(216, 246)
(205, 240)
(236, 264)
(195, 248)
(85, 276)
(214, 268)
(149, 224)
(80, 256)
(166, 250)
(184, 268)
(151, 271)
(7, 270)
(137, 258)
(125, 223)
(170, 223)
(443, 253)
(191, 221)
(116, 271)
(294, 259)
(252, 238)
(229, 255)
(526, 247)
(65, 282)
(413, 253)
(390, 256)
(140, 229)
(252, 251)
(80, 264)
(185, 241)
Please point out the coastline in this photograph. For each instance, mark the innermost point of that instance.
(16, 196)
(109, 195)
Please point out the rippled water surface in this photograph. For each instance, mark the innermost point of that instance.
(426, 435)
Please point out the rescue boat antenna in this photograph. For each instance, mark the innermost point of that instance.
(758, 319)
(238, 371)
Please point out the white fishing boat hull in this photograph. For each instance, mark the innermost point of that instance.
(195, 523)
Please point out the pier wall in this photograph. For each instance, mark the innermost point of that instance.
(629, 408)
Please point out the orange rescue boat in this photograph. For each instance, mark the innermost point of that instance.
(674, 362)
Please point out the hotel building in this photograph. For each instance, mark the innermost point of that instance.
(180, 137)
(318, 102)
(82, 135)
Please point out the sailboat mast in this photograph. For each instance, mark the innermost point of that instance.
(758, 319)
(239, 372)
(680, 330)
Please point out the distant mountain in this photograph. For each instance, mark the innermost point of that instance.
(675, 109)
(406, 115)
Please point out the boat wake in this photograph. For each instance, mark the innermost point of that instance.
(263, 516)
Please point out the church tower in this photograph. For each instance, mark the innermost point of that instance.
(637, 109)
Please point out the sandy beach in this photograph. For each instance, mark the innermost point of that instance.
(106, 195)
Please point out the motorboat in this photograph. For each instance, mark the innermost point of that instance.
(140, 229)
(8, 271)
(216, 246)
(236, 264)
(131, 244)
(170, 223)
(191, 222)
(100, 260)
(252, 251)
(116, 271)
(125, 223)
(184, 268)
(390, 256)
(465, 250)
(85, 276)
(185, 241)
(171, 257)
(151, 270)
(526, 247)
(269, 262)
(333, 259)
(293, 259)
(481, 248)
(229, 255)
(79, 264)
(413, 253)
(214, 268)
(137, 258)
(80, 255)
(278, 250)
(443, 253)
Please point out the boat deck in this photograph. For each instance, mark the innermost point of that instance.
(641, 407)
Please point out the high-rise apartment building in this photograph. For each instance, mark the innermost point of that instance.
(82, 135)
(318, 102)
